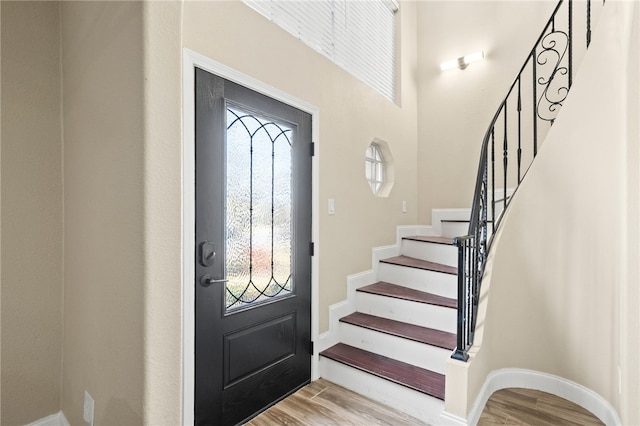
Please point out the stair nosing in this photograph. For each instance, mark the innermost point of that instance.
(445, 241)
(427, 265)
(429, 375)
(356, 318)
(430, 299)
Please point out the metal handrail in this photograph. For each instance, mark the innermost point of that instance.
(551, 83)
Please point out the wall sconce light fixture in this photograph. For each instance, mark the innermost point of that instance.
(462, 62)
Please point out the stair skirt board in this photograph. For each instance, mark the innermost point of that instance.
(409, 401)
(530, 379)
(445, 285)
(440, 253)
(432, 316)
(399, 348)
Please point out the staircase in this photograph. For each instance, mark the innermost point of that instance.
(395, 347)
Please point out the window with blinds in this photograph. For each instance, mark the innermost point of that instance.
(358, 36)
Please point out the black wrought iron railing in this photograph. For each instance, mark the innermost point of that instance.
(511, 143)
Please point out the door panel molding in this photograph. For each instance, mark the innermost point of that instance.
(191, 60)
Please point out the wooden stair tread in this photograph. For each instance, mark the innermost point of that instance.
(421, 264)
(461, 220)
(399, 292)
(417, 333)
(416, 378)
(436, 240)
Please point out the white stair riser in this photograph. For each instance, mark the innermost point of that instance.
(438, 253)
(422, 314)
(454, 229)
(419, 279)
(401, 349)
(416, 404)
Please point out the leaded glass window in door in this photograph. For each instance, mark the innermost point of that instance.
(258, 208)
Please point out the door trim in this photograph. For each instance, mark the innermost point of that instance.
(191, 60)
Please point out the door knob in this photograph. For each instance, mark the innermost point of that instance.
(206, 280)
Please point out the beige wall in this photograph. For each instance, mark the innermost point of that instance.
(0, 213)
(163, 213)
(630, 285)
(31, 212)
(563, 277)
(103, 197)
(351, 116)
(455, 107)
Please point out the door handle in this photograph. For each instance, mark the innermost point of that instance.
(206, 280)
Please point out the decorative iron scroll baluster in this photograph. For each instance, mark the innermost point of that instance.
(535, 96)
(493, 180)
(552, 68)
(589, 22)
(570, 41)
(553, 90)
(505, 159)
(519, 129)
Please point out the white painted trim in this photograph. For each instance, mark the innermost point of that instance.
(413, 230)
(57, 419)
(190, 60)
(529, 379)
(355, 281)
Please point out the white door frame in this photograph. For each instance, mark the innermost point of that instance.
(191, 60)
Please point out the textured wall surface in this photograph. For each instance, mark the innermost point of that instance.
(456, 106)
(31, 212)
(103, 175)
(564, 268)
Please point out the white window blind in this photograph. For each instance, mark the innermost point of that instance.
(357, 35)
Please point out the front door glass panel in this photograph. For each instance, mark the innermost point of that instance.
(258, 209)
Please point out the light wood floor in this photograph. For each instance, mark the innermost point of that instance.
(324, 403)
(531, 407)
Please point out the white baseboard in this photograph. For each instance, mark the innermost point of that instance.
(57, 419)
(529, 379)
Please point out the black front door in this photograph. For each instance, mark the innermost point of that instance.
(253, 260)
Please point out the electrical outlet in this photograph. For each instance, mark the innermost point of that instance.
(87, 412)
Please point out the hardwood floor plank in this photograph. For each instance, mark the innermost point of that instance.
(515, 397)
(274, 416)
(572, 413)
(399, 292)
(410, 262)
(413, 332)
(532, 407)
(309, 412)
(331, 405)
(313, 388)
(323, 403)
(362, 410)
(408, 375)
